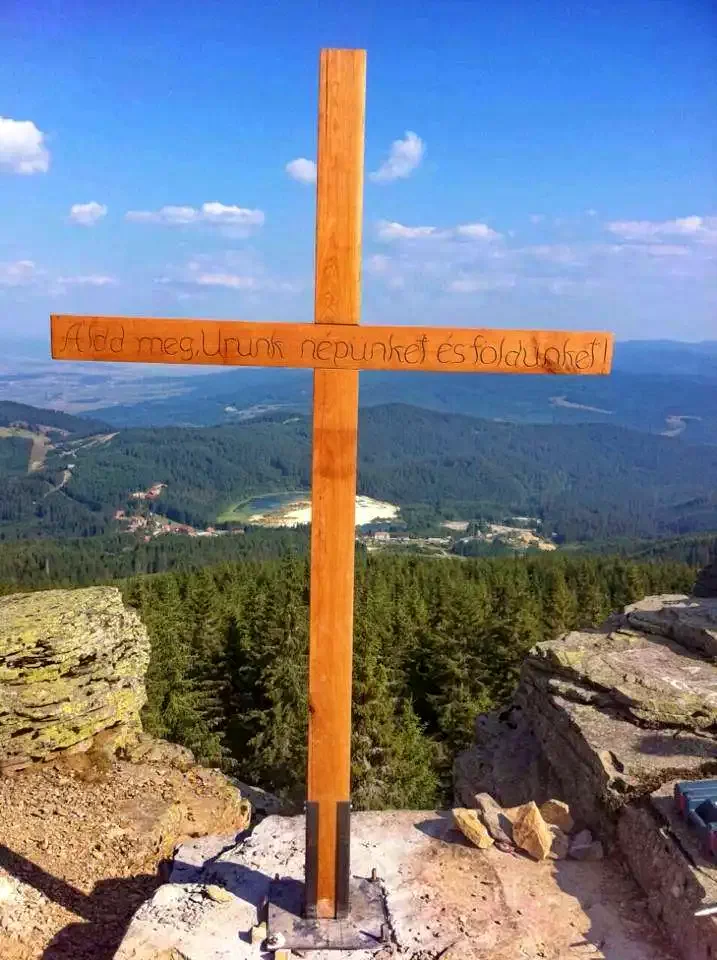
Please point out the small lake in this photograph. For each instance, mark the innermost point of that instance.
(272, 501)
(293, 508)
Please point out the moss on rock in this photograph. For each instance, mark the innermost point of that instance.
(72, 663)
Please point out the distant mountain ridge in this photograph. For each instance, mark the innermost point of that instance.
(35, 417)
(656, 387)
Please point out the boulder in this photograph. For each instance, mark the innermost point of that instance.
(606, 720)
(689, 621)
(706, 584)
(72, 664)
(103, 845)
(667, 860)
(146, 749)
(557, 813)
(471, 827)
(493, 818)
(584, 847)
(561, 843)
(531, 833)
(602, 717)
(442, 898)
(263, 803)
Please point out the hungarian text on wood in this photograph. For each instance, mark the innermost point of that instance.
(340, 346)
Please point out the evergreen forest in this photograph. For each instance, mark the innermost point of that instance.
(436, 643)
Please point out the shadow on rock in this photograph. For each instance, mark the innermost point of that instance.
(108, 911)
(105, 912)
(620, 925)
(441, 827)
(668, 745)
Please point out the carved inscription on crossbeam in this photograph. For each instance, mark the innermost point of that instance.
(339, 346)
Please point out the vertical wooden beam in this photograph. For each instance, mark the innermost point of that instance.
(339, 209)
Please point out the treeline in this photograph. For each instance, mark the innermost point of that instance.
(697, 550)
(436, 643)
(14, 455)
(39, 564)
(31, 507)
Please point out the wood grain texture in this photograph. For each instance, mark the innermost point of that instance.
(328, 345)
(339, 192)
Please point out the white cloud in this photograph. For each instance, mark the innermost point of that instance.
(477, 231)
(232, 281)
(653, 249)
(212, 213)
(388, 270)
(87, 214)
(700, 229)
(88, 280)
(302, 170)
(17, 273)
(22, 147)
(536, 218)
(241, 271)
(26, 274)
(378, 263)
(389, 230)
(403, 158)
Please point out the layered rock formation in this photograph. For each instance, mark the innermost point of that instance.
(608, 720)
(72, 664)
(706, 585)
(84, 834)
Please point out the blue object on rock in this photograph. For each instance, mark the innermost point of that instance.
(696, 801)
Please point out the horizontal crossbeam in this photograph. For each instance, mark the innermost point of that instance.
(336, 346)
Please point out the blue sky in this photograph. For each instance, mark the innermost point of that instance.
(528, 164)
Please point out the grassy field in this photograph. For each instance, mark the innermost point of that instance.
(40, 444)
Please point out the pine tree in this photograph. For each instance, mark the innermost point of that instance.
(392, 761)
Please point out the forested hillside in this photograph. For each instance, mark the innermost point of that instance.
(436, 643)
(35, 417)
(14, 455)
(586, 482)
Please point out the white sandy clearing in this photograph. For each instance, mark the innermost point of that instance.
(299, 512)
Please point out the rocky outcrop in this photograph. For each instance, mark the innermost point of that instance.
(603, 719)
(706, 585)
(604, 716)
(79, 853)
(443, 897)
(72, 664)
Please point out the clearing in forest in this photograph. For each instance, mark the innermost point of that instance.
(38, 451)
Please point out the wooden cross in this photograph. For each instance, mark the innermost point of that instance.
(336, 347)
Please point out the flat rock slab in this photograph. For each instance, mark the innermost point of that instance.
(648, 678)
(444, 898)
(690, 621)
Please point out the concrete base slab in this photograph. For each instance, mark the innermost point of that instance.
(444, 898)
(364, 927)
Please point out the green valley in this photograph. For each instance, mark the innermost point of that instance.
(585, 482)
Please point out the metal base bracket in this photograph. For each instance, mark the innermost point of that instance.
(365, 927)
